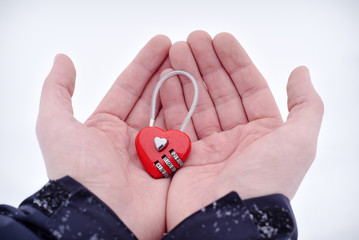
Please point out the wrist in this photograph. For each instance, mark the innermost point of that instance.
(115, 199)
(248, 187)
(268, 217)
(65, 208)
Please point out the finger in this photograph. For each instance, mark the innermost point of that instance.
(225, 97)
(58, 88)
(174, 106)
(56, 112)
(256, 96)
(304, 104)
(129, 85)
(160, 120)
(205, 119)
(139, 117)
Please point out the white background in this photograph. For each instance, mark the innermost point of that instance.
(103, 37)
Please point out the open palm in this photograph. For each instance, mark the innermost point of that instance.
(101, 153)
(240, 142)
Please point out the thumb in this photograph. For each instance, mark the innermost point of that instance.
(58, 88)
(304, 104)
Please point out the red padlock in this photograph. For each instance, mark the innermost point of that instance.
(163, 152)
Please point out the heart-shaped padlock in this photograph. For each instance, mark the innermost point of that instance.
(163, 152)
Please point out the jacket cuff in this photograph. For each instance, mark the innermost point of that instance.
(269, 217)
(273, 217)
(64, 209)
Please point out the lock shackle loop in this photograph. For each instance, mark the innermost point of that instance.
(157, 88)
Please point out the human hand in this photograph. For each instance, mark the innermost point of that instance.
(239, 140)
(100, 153)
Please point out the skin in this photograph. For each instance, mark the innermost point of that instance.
(100, 153)
(239, 140)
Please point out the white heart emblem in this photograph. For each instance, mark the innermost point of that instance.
(160, 143)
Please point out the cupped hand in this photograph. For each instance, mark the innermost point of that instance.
(240, 142)
(100, 153)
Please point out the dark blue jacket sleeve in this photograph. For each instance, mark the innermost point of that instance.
(64, 209)
(268, 217)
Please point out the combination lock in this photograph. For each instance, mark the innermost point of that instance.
(163, 152)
